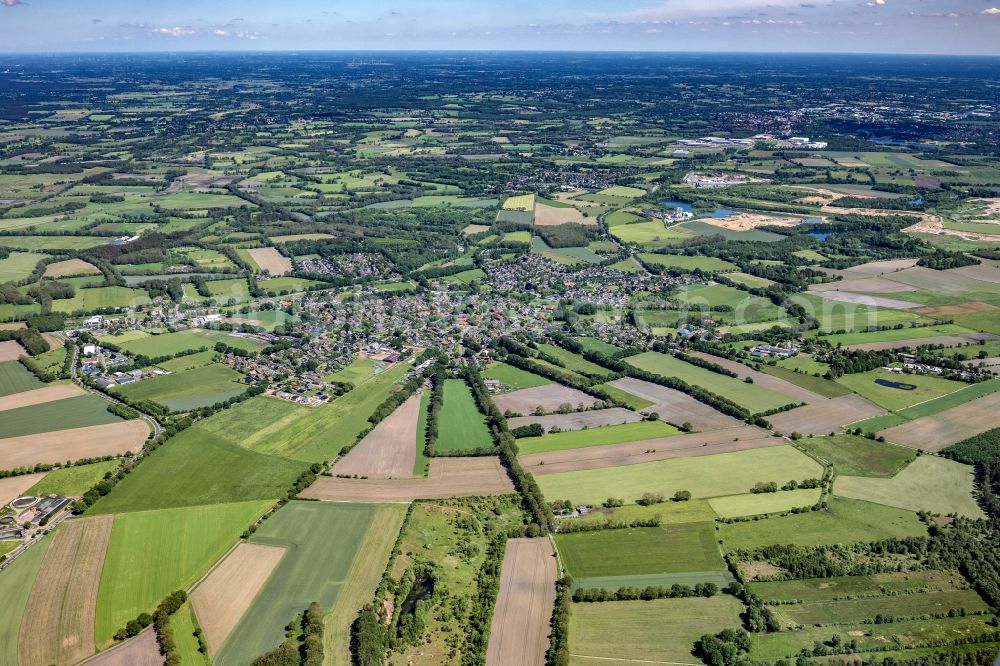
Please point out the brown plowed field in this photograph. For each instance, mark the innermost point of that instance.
(447, 477)
(933, 433)
(826, 417)
(876, 285)
(38, 396)
(674, 406)
(143, 650)
(579, 420)
(58, 624)
(63, 445)
(548, 397)
(389, 451)
(14, 486)
(867, 299)
(11, 350)
(882, 267)
(633, 453)
(227, 593)
(761, 379)
(270, 260)
(519, 634)
(70, 267)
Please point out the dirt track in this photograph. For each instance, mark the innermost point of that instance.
(825, 417)
(270, 260)
(767, 381)
(548, 397)
(633, 453)
(519, 635)
(579, 420)
(14, 486)
(676, 407)
(39, 396)
(448, 477)
(143, 650)
(933, 433)
(389, 451)
(63, 445)
(11, 350)
(227, 593)
(58, 624)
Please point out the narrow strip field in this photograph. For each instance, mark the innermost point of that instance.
(58, 625)
(675, 407)
(761, 379)
(63, 445)
(933, 433)
(226, 594)
(579, 420)
(448, 477)
(389, 451)
(632, 453)
(39, 396)
(520, 628)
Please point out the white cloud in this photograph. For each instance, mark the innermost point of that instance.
(177, 31)
(991, 11)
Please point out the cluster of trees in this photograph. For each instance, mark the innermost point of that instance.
(48, 467)
(30, 339)
(708, 365)
(558, 653)
(303, 644)
(941, 260)
(596, 594)
(160, 619)
(571, 526)
(729, 647)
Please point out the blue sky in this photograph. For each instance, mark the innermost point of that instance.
(893, 26)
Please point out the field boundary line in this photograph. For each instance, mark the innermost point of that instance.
(635, 661)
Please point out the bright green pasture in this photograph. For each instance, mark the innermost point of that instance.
(164, 344)
(610, 434)
(633, 402)
(78, 412)
(754, 398)
(928, 387)
(858, 456)
(461, 425)
(40, 243)
(574, 362)
(651, 233)
(658, 631)
(755, 504)
(152, 553)
(819, 590)
(928, 483)
(18, 265)
(16, 582)
(935, 406)
(858, 610)
(15, 378)
(322, 541)
(824, 387)
(685, 262)
(895, 335)
(514, 378)
(72, 481)
(94, 298)
(704, 476)
(190, 389)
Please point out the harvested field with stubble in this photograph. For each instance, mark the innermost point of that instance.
(58, 625)
(674, 406)
(270, 260)
(939, 431)
(70, 267)
(633, 453)
(825, 417)
(447, 477)
(63, 445)
(761, 379)
(389, 451)
(549, 216)
(548, 397)
(143, 650)
(39, 396)
(13, 487)
(11, 350)
(579, 420)
(226, 594)
(519, 635)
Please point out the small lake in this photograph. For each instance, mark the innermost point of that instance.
(902, 386)
(818, 235)
(686, 207)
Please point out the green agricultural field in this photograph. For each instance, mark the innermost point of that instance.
(323, 539)
(928, 483)
(858, 610)
(72, 481)
(78, 412)
(928, 387)
(691, 511)
(40, 243)
(754, 398)
(514, 378)
(804, 363)
(199, 467)
(843, 521)
(658, 631)
(633, 402)
(198, 201)
(895, 335)
(715, 295)
(611, 434)
(190, 389)
(15, 378)
(649, 234)
(704, 476)
(858, 456)
(52, 360)
(225, 291)
(755, 504)
(152, 553)
(685, 262)
(280, 285)
(95, 298)
(870, 638)
(461, 425)
(18, 265)
(574, 362)
(184, 625)
(188, 361)
(824, 387)
(837, 316)
(467, 277)
(359, 371)
(947, 401)
(750, 280)
(15, 586)
(677, 548)
(821, 590)
(620, 217)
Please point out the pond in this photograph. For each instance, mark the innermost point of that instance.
(902, 386)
